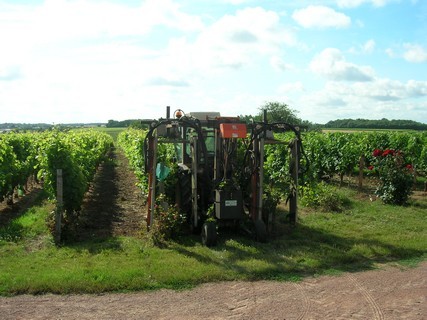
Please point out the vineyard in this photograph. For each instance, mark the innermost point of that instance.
(327, 155)
(339, 153)
(37, 157)
(29, 156)
(112, 251)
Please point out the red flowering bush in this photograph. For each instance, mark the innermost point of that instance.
(395, 176)
(377, 153)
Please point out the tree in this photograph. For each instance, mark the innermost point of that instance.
(279, 112)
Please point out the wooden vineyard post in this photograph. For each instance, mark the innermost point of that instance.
(59, 204)
(361, 167)
(293, 201)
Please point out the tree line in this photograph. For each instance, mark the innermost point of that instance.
(276, 112)
(281, 112)
(376, 124)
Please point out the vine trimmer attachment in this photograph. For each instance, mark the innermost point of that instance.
(219, 170)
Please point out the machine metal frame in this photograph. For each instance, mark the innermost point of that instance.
(211, 171)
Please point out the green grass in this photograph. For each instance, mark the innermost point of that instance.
(364, 236)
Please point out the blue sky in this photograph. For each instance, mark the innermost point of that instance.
(94, 60)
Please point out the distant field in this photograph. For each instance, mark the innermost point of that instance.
(113, 132)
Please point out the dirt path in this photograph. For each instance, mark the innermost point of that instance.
(113, 205)
(389, 293)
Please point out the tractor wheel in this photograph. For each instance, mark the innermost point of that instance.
(260, 231)
(209, 233)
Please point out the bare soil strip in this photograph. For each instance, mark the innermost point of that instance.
(387, 293)
(114, 205)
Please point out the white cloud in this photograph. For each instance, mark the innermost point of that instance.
(331, 64)
(415, 53)
(90, 35)
(101, 61)
(350, 3)
(390, 52)
(360, 23)
(10, 73)
(236, 40)
(280, 65)
(380, 89)
(236, 2)
(321, 17)
(291, 87)
(381, 98)
(61, 20)
(159, 81)
(357, 3)
(369, 46)
(416, 89)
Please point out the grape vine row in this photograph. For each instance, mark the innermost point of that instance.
(328, 154)
(76, 152)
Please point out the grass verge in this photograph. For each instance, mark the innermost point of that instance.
(364, 235)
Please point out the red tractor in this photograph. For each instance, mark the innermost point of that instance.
(220, 170)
